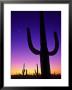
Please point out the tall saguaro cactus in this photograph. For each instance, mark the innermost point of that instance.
(44, 53)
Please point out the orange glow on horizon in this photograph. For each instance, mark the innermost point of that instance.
(16, 71)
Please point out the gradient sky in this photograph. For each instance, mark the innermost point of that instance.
(20, 52)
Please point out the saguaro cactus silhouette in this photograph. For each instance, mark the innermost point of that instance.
(37, 69)
(23, 70)
(44, 53)
(26, 71)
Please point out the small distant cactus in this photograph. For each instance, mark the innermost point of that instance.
(37, 70)
(23, 70)
(26, 71)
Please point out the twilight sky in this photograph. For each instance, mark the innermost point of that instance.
(20, 52)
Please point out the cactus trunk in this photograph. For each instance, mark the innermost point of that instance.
(44, 57)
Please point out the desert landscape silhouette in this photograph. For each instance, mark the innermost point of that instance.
(35, 75)
(44, 55)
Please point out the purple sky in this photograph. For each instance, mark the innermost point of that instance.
(20, 52)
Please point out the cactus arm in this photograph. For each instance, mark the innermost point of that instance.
(56, 45)
(35, 51)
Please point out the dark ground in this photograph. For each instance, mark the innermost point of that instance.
(58, 76)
